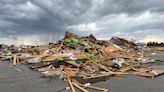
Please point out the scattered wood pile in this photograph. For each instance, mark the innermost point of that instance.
(76, 59)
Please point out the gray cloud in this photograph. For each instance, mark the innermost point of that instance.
(49, 19)
(156, 25)
(130, 7)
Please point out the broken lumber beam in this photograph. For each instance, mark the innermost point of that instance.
(14, 60)
(79, 87)
(71, 85)
(95, 88)
(103, 67)
(107, 74)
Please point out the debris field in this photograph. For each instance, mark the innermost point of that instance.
(81, 60)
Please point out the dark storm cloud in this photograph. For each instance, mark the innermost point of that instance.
(65, 11)
(52, 16)
(41, 17)
(158, 25)
(130, 7)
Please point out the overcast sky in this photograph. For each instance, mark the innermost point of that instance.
(44, 21)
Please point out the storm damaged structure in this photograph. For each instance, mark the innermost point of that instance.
(79, 60)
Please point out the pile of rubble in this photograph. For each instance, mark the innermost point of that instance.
(79, 60)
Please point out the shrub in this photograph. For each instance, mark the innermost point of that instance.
(93, 57)
(72, 41)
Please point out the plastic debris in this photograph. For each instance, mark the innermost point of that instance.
(117, 62)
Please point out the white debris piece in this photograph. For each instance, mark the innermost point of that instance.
(72, 57)
(34, 60)
(67, 88)
(19, 70)
(117, 62)
(87, 84)
(45, 72)
(46, 52)
(153, 53)
(9, 53)
(25, 55)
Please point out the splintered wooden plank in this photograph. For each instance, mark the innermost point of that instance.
(49, 58)
(152, 73)
(103, 67)
(159, 71)
(106, 75)
(70, 73)
(5, 58)
(71, 85)
(43, 64)
(14, 59)
(145, 74)
(95, 88)
(73, 63)
(80, 56)
(79, 87)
